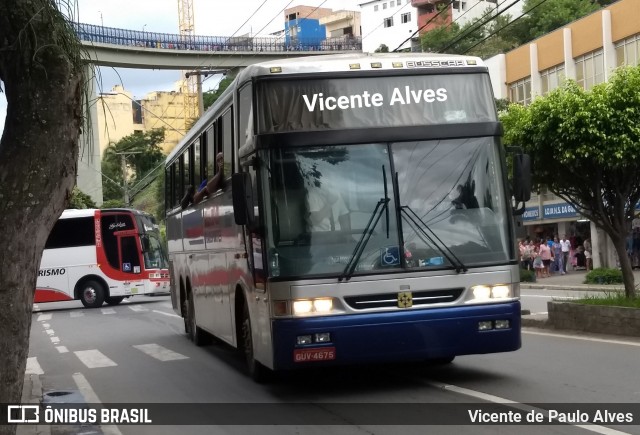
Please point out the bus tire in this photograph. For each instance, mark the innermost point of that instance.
(441, 361)
(113, 300)
(257, 371)
(197, 335)
(92, 294)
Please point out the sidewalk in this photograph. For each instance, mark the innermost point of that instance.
(572, 280)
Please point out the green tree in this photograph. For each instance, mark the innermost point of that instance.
(41, 73)
(80, 200)
(587, 144)
(210, 97)
(142, 153)
(382, 49)
(113, 203)
(544, 16)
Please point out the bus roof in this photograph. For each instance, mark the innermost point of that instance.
(358, 62)
(88, 212)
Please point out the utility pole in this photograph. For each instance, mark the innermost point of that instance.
(199, 74)
(125, 186)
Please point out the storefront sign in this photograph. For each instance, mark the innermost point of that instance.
(560, 210)
(531, 214)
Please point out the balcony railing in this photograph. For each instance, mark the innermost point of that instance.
(134, 38)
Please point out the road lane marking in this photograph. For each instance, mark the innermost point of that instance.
(44, 317)
(33, 367)
(50, 332)
(108, 311)
(167, 314)
(76, 314)
(55, 340)
(159, 352)
(46, 326)
(521, 406)
(575, 337)
(90, 396)
(138, 308)
(62, 349)
(94, 358)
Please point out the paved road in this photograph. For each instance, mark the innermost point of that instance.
(137, 353)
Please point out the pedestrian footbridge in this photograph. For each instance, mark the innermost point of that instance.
(108, 46)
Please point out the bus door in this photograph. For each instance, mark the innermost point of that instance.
(130, 258)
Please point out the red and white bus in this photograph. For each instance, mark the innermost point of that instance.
(100, 256)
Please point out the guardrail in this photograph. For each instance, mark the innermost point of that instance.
(134, 38)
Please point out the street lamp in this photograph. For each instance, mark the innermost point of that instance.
(101, 20)
(143, 27)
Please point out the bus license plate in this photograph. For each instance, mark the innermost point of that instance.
(317, 354)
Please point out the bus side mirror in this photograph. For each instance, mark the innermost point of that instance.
(521, 177)
(243, 200)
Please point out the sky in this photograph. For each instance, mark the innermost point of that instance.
(211, 18)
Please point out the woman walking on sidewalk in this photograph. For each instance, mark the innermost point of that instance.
(545, 255)
(556, 250)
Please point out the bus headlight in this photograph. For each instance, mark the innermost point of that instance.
(312, 306)
(485, 293)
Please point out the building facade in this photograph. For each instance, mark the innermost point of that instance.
(587, 51)
(393, 23)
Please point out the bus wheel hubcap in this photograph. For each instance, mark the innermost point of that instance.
(89, 295)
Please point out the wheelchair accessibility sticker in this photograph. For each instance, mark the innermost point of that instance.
(126, 267)
(390, 256)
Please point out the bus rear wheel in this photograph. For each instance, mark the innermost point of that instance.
(92, 294)
(114, 300)
(197, 335)
(257, 371)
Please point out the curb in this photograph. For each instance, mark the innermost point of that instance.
(575, 287)
(32, 394)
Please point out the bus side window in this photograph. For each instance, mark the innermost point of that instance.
(227, 142)
(130, 256)
(109, 225)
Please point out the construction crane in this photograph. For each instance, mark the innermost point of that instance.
(189, 88)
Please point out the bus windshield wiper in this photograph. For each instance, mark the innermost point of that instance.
(382, 205)
(422, 228)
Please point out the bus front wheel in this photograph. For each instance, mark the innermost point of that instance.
(114, 300)
(92, 294)
(257, 371)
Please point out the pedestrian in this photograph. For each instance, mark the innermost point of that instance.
(545, 256)
(565, 244)
(556, 251)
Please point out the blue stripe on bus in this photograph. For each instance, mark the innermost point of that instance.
(406, 335)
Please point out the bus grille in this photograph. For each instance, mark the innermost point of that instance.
(388, 300)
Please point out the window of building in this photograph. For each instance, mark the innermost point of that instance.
(375, 8)
(628, 51)
(384, 6)
(398, 2)
(405, 18)
(520, 91)
(590, 69)
(388, 22)
(551, 78)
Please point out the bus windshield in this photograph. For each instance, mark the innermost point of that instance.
(323, 198)
(155, 256)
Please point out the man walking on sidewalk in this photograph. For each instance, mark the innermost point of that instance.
(565, 244)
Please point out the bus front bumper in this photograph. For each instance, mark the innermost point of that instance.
(403, 335)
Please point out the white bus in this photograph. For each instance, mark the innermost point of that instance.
(367, 214)
(100, 256)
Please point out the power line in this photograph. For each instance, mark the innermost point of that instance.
(478, 27)
(444, 9)
(506, 25)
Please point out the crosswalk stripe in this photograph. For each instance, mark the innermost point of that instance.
(108, 311)
(138, 308)
(62, 349)
(44, 317)
(159, 352)
(33, 367)
(55, 340)
(94, 358)
(76, 314)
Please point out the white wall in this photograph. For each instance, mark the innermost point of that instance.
(498, 73)
(373, 31)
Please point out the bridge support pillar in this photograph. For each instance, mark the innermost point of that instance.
(89, 176)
